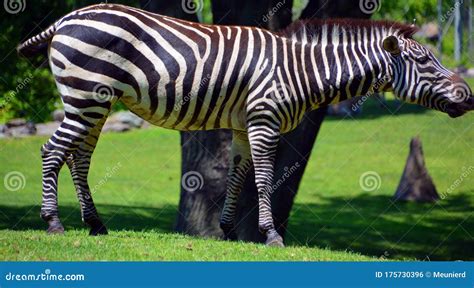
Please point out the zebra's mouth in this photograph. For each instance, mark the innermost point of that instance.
(455, 110)
(455, 113)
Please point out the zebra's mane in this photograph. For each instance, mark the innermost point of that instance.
(314, 28)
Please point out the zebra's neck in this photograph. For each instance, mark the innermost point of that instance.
(336, 63)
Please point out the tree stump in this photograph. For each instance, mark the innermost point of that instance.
(416, 183)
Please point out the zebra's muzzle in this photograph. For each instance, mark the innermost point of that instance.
(455, 110)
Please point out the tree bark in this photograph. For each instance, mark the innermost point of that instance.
(205, 158)
(416, 183)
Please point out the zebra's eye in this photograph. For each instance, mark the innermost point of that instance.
(423, 59)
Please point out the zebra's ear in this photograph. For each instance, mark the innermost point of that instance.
(391, 45)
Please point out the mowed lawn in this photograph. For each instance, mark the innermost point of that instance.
(137, 176)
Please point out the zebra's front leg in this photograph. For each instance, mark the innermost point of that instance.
(79, 164)
(264, 139)
(240, 162)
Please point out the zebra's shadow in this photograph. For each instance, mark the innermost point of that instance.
(115, 217)
(374, 225)
(366, 224)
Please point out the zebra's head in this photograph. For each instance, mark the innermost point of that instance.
(418, 77)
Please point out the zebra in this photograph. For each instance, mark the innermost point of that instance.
(191, 76)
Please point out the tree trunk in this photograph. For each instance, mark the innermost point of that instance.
(204, 166)
(416, 183)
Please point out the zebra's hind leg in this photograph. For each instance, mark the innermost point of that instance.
(75, 128)
(52, 163)
(240, 162)
(264, 140)
(79, 164)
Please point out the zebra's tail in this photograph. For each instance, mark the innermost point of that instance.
(37, 43)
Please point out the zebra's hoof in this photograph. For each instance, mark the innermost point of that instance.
(97, 228)
(230, 236)
(229, 232)
(55, 228)
(98, 231)
(274, 240)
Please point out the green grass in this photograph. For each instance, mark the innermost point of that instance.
(152, 245)
(332, 219)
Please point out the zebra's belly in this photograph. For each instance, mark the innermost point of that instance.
(235, 120)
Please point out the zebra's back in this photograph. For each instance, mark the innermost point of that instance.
(175, 74)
